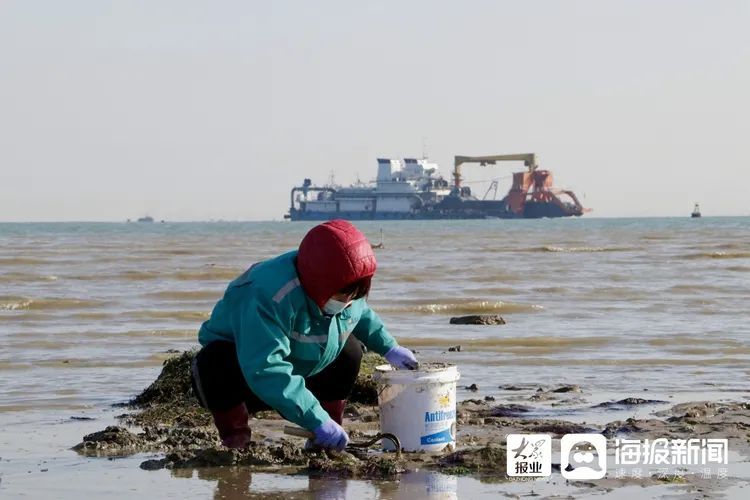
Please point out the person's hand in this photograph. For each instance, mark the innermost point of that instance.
(401, 357)
(331, 435)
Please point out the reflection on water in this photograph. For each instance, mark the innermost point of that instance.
(235, 483)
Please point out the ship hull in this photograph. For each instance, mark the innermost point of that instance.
(496, 211)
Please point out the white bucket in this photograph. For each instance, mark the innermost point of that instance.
(418, 406)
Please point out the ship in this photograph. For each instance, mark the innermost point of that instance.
(414, 189)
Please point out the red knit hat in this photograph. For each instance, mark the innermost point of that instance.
(333, 255)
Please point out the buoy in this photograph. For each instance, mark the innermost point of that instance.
(419, 406)
(696, 212)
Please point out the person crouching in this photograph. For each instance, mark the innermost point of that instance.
(287, 335)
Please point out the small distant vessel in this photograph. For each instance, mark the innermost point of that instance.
(696, 211)
(146, 219)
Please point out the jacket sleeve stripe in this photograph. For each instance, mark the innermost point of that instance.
(308, 339)
(284, 290)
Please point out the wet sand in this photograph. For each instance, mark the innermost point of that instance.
(166, 422)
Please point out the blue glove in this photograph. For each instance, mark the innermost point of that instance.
(331, 435)
(401, 357)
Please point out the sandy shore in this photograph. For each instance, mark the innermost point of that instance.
(165, 420)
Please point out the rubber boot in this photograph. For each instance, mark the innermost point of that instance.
(335, 409)
(232, 425)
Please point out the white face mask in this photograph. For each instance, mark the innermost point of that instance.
(335, 306)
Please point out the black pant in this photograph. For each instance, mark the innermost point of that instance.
(218, 382)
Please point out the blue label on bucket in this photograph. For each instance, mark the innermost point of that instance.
(437, 438)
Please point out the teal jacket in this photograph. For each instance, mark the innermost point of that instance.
(282, 336)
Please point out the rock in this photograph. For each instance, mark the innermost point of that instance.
(693, 410)
(365, 389)
(172, 384)
(568, 402)
(489, 398)
(638, 401)
(559, 428)
(509, 410)
(567, 388)
(455, 348)
(472, 387)
(112, 441)
(478, 319)
(184, 413)
(542, 396)
(623, 403)
(181, 437)
(345, 465)
(487, 459)
(154, 464)
(258, 454)
(467, 402)
(634, 426)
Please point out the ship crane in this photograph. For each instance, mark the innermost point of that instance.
(528, 159)
(493, 187)
(531, 190)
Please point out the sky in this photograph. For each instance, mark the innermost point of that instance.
(199, 110)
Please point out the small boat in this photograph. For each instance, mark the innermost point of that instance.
(146, 219)
(696, 211)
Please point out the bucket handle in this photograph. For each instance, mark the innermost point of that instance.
(296, 431)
